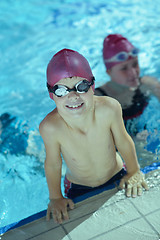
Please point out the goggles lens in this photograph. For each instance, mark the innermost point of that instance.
(61, 90)
(123, 56)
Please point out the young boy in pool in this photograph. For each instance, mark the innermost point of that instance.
(85, 129)
(132, 91)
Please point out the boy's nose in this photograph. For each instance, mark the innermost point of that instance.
(73, 95)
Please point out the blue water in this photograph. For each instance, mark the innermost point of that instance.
(30, 33)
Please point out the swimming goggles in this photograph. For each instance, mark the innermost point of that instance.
(123, 56)
(61, 90)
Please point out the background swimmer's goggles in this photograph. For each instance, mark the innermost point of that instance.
(61, 90)
(123, 56)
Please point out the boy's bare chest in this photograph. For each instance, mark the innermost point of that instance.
(87, 147)
(81, 141)
(89, 157)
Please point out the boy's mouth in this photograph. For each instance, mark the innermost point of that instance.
(75, 106)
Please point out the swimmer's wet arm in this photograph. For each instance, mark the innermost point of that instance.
(152, 84)
(128, 153)
(58, 205)
(53, 176)
(123, 141)
(53, 162)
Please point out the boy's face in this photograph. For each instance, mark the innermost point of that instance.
(74, 103)
(126, 73)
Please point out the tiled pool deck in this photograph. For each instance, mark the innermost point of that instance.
(107, 216)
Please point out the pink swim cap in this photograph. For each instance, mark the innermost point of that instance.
(113, 44)
(67, 63)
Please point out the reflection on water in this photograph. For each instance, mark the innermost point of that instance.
(13, 135)
(145, 157)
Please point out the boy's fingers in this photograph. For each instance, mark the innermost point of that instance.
(65, 214)
(59, 217)
(134, 184)
(134, 191)
(139, 191)
(145, 185)
(122, 183)
(128, 190)
(71, 204)
(55, 218)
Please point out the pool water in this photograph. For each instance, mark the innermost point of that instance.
(31, 32)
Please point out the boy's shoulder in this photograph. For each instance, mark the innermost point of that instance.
(106, 102)
(49, 124)
(107, 106)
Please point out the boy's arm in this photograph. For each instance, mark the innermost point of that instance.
(123, 141)
(125, 145)
(53, 165)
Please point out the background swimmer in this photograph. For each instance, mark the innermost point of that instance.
(132, 91)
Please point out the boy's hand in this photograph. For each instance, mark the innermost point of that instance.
(134, 184)
(58, 209)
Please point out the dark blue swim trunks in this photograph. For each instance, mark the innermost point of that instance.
(73, 190)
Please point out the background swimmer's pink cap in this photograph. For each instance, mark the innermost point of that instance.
(113, 44)
(67, 63)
